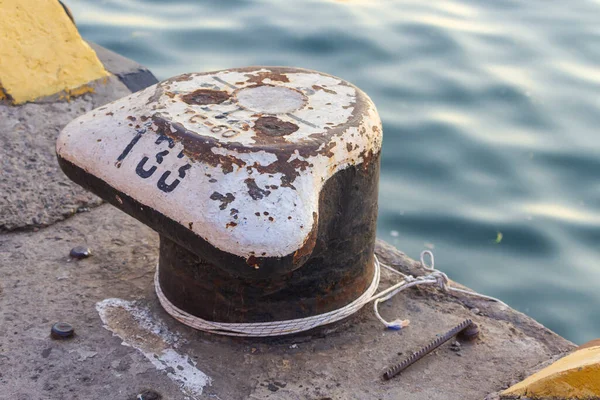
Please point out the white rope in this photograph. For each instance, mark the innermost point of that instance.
(287, 327)
(442, 280)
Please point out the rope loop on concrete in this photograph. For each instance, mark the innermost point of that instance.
(288, 327)
(440, 277)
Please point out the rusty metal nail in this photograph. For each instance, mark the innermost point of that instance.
(80, 252)
(62, 330)
(437, 342)
(470, 333)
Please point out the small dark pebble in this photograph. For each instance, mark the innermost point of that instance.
(46, 352)
(80, 252)
(272, 387)
(280, 384)
(455, 346)
(62, 330)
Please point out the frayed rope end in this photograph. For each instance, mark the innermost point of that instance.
(398, 324)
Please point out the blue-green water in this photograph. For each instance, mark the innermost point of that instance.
(491, 115)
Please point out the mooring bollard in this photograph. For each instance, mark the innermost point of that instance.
(261, 182)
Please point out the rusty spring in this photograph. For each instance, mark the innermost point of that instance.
(437, 342)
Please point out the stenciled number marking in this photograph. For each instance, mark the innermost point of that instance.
(145, 172)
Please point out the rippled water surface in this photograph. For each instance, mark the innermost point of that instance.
(490, 111)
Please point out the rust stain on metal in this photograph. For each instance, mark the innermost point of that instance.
(254, 191)
(253, 262)
(203, 97)
(326, 151)
(307, 248)
(197, 148)
(261, 76)
(273, 127)
(290, 170)
(181, 78)
(317, 88)
(225, 200)
(367, 157)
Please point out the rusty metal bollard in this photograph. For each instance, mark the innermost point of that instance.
(261, 182)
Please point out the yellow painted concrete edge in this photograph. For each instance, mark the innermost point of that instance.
(575, 376)
(42, 53)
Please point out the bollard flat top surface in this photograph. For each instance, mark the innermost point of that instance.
(237, 156)
(271, 109)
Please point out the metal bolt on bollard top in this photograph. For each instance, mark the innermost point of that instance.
(261, 182)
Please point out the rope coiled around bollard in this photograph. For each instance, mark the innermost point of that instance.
(288, 327)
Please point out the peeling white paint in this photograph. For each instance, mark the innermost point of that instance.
(137, 328)
(319, 102)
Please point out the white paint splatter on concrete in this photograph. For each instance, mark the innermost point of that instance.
(143, 316)
(136, 326)
(84, 354)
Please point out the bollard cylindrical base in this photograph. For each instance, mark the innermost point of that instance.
(338, 271)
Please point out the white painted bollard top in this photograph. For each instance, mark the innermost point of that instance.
(239, 156)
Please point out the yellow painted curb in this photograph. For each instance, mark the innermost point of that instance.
(576, 376)
(41, 52)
